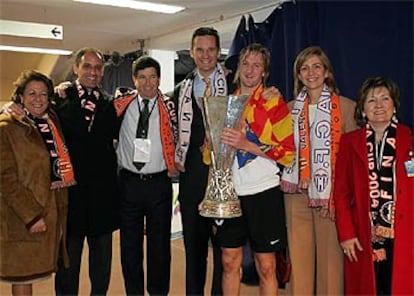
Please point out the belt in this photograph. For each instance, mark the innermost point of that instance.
(143, 177)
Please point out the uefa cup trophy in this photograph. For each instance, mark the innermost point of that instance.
(220, 200)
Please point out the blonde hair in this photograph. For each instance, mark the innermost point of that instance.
(256, 48)
(302, 57)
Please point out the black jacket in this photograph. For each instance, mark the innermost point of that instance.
(93, 202)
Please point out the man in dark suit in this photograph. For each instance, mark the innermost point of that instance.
(89, 125)
(197, 230)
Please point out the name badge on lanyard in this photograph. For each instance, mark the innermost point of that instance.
(142, 148)
(409, 165)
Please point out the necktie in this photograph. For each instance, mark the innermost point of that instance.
(142, 129)
(207, 90)
(205, 150)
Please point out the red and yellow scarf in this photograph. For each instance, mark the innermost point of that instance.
(270, 122)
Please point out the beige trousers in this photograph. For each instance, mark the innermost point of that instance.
(317, 259)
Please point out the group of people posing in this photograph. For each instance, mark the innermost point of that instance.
(328, 178)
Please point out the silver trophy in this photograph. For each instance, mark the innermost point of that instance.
(220, 200)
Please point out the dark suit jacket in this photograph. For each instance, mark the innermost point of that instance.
(93, 202)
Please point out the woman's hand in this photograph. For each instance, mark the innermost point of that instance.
(323, 212)
(39, 226)
(304, 184)
(327, 213)
(350, 247)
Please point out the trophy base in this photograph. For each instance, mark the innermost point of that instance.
(213, 209)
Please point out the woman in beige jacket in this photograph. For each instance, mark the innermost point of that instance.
(35, 171)
(320, 116)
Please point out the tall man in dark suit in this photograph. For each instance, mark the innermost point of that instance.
(205, 51)
(89, 125)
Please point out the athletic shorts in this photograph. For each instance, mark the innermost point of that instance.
(262, 223)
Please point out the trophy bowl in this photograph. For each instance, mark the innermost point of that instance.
(220, 200)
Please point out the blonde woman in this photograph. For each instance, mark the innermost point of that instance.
(319, 116)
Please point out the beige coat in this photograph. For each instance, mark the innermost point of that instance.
(347, 108)
(25, 197)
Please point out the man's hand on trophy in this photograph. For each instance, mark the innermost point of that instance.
(235, 137)
(271, 92)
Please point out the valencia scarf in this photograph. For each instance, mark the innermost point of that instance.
(62, 174)
(381, 165)
(88, 102)
(317, 146)
(185, 112)
(168, 122)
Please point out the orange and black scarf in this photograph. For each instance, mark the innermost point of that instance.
(88, 101)
(62, 174)
(381, 167)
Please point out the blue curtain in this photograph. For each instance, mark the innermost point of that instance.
(239, 41)
(361, 38)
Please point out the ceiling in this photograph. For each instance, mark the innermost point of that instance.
(120, 29)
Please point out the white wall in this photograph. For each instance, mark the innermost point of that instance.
(166, 60)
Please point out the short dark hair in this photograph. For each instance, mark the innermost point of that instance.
(145, 62)
(369, 84)
(206, 31)
(81, 52)
(27, 76)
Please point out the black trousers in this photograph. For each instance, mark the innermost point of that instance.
(383, 270)
(100, 259)
(146, 200)
(197, 230)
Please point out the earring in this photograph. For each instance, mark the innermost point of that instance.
(394, 116)
(364, 116)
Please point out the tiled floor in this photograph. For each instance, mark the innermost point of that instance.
(117, 286)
